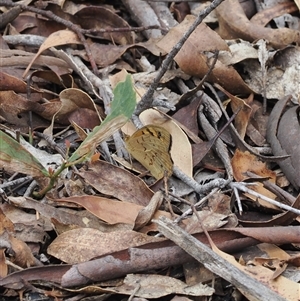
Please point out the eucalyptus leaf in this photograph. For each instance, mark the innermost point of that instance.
(122, 108)
(15, 158)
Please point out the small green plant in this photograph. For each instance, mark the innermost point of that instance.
(14, 157)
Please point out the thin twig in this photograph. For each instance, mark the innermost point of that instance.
(133, 294)
(52, 143)
(190, 210)
(219, 146)
(16, 182)
(238, 200)
(241, 186)
(120, 29)
(146, 100)
(201, 189)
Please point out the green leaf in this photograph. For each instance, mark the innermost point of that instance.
(15, 158)
(122, 108)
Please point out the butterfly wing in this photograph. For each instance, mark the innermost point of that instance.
(150, 146)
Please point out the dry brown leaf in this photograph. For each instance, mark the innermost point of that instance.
(286, 288)
(155, 286)
(9, 82)
(97, 18)
(19, 58)
(14, 106)
(111, 211)
(114, 181)
(84, 244)
(202, 39)
(191, 58)
(80, 219)
(282, 132)
(242, 162)
(210, 220)
(267, 220)
(188, 117)
(30, 229)
(276, 261)
(79, 107)
(234, 24)
(242, 119)
(58, 38)
(23, 256)
(146, 214)
(6, 224)
(3, 265)
(288, 135)
(257, 126)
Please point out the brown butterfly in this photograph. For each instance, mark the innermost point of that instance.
(150, 146)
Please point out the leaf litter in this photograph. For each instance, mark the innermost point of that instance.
(80, 218)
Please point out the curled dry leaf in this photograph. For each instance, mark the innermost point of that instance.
(3, 265)
(15, 107)
(283, 133)
(266, 15)
(19, 58)
(242, 119)
(98, 18)
(243, 162)
(234, 24)
(9, 82)
(79, 107)
(6, 223)
(202, 39)
(269, 220)
(111, 211)
(146, 214)
(55, 215)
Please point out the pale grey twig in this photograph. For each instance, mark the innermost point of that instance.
(190, 210)
(238, 200)
(15, 182)
(30, 188)
(201, 189)
(241, 186)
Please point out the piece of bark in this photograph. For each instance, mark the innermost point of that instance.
(253, 289)
(132, 260)
(147, 257)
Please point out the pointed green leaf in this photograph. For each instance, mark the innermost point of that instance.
(122, 108)
(14, 157)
